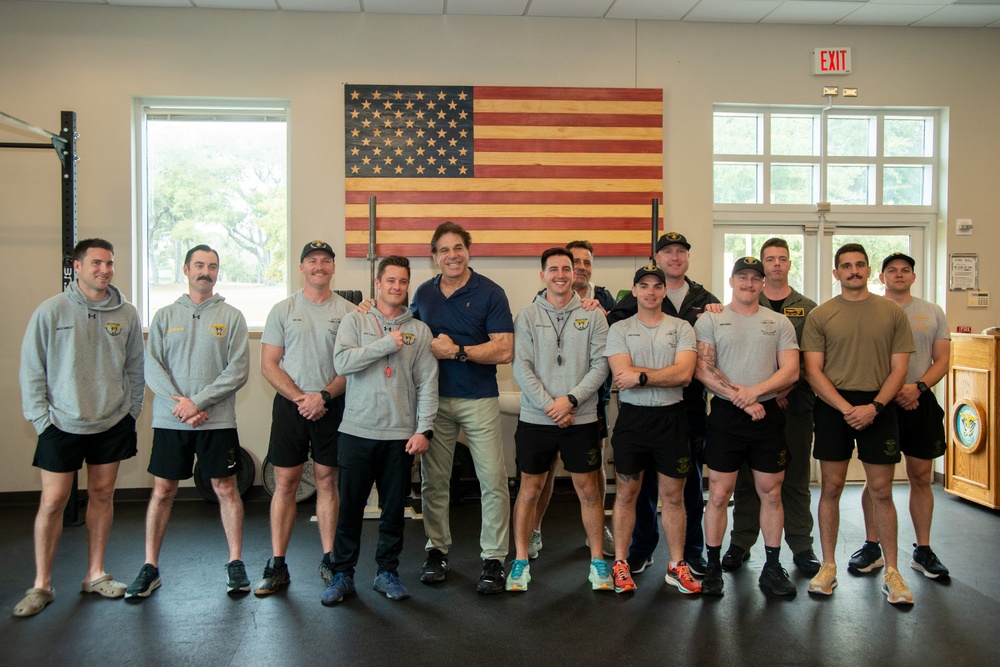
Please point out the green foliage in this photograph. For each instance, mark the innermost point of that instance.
(220, 183)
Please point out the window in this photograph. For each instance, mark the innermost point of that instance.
(213, 172)
(781, 157)
(879, 169)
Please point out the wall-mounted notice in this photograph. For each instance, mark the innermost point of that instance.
(964, 273)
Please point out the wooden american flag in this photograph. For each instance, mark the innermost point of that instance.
(522, 169)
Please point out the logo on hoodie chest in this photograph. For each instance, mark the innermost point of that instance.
(113, 328)
(218, 330)
(409, 339)
(581, 324)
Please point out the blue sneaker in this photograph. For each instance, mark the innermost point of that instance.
(600, 576)
(520, 575)
(340, 586)
(389, 583)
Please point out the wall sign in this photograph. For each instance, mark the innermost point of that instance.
(835, 60)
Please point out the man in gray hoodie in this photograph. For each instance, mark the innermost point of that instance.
(388, 419)
(82, 389)
(559, 365)
(197, 358)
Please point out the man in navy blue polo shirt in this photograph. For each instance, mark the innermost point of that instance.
(473, 332)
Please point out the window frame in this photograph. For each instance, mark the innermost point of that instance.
(192, 108)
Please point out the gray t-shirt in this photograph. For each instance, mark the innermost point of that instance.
(308, 332)
(928, 323)
(651, 347)
(747, 346)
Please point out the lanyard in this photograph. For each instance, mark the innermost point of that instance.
(559, 334)
(381, 333)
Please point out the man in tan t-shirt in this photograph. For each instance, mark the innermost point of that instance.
(857, 347)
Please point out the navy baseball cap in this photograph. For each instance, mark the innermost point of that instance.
(898, 255)
(751, 263)
(670, 238)
(313, 246)
(649, 270)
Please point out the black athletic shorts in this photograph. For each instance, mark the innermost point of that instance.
(733, 437)
(921, 431)
(652, 435)
(174, 450)
(59, 451)
(537, 445)
(878, 444)
(293, 437)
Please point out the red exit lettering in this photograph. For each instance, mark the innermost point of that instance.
(832, 61)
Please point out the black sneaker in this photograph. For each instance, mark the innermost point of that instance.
(236, 573)
(926, 561)
(435, 568)
(866, 559)
(144, 585)
(698, 565)
(712, 583)
(493, 578)
(806, 562)
(734, 558)
(637, 564)
(273, 579)
(775, 577)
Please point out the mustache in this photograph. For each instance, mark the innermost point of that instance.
(206, 279)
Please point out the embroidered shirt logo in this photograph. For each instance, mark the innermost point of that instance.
(581, 324)
(409, 339)
(113, 328)
(219, 330)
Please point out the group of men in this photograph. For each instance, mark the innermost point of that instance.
(363, 390)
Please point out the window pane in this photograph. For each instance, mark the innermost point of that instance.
(850, 184)
(741, 245)
(851, 136)
(737, 134)
(794, 135)
(906, 185)
(909, 137)
(878, 248)
(221, 183)
(793, 183)
(737, 183)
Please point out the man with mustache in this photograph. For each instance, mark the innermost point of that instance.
(87, 337)
(296, 357)
(197, 358)
(857, 348)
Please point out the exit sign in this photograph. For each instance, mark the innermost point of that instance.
(832, 61)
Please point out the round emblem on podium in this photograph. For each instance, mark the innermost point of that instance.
(967, 424)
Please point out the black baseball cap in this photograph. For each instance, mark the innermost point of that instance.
(649, 270)
(313, 246)
(670, 238)
(751, 263)
(898, 255)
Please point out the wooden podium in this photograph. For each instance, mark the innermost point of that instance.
(972, 468)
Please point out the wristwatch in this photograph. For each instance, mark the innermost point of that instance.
(461, 355)
(327, 397)
(878, 407)
(572, 400)
(428, 434)
(643, 379)
(922, 386)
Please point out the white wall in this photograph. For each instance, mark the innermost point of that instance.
(95, 59)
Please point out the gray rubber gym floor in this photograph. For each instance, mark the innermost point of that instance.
(190, 620)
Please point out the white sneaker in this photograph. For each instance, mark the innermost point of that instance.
(535, 545)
